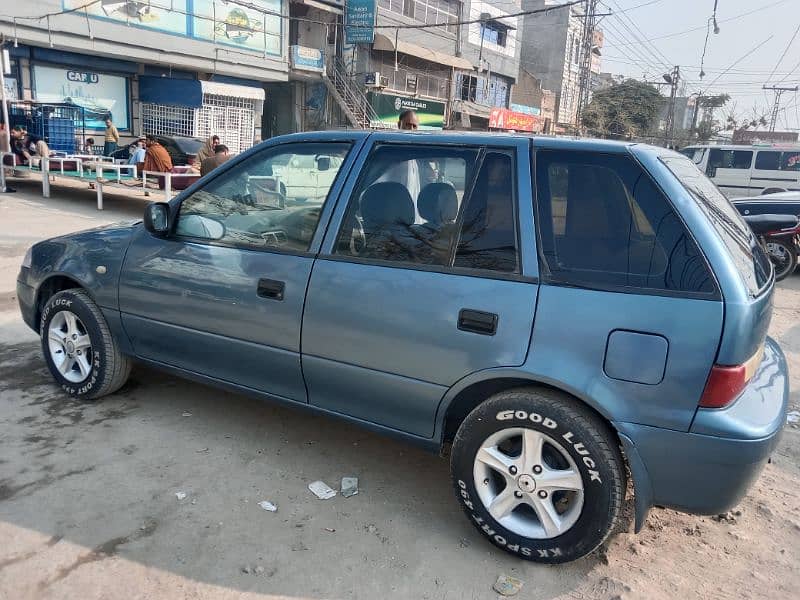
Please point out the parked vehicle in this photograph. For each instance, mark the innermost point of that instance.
(182, 150)
(746, 170)
(781, 242)
(778, 235)
(613, 322)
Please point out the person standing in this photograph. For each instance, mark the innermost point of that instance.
(112, 138)
(207, 149)
(212, 162)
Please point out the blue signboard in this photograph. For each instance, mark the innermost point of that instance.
(307, 59)
(360, 22)
(526, 110)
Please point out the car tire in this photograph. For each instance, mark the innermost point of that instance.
(783, 256)
(572, 473)
(82, 355)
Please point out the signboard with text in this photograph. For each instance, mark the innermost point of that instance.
(360, 22)
(307, 59)
(502, 118)
(389, 106)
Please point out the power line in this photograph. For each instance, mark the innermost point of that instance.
(702, 27)
(785, 50)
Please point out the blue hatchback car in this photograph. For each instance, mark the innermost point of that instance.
(557, 314)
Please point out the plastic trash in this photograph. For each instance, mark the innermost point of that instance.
(180, 495)
(507, 586)
(321, 490)
(267, 505)
(793, 416)
(349, 486)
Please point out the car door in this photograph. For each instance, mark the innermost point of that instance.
(223, 294)
(398, 311)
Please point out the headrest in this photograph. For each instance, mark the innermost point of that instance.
(387, 203)
(438, 203)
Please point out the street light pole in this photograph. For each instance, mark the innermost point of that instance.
(6, 124)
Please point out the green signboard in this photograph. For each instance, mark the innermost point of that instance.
(388, 107)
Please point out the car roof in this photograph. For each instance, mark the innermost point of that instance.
(464, 137)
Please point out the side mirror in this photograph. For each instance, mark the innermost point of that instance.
(156, 218)
(323, 163)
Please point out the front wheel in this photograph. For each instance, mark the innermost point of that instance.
(78, 347)
(539, 474)
(783, 256)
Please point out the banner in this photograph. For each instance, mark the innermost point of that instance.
(527, 110)
(97, 93)
(227, 23)
(502, 118)
(359, 22)
(388, 107)
(307, 59)
(162, 15)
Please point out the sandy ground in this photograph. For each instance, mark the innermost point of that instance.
(88, 507)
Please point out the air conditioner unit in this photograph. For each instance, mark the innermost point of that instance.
(376, 80)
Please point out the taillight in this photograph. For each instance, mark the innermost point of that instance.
(725, 383)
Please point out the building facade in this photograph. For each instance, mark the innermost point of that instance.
(552, 53)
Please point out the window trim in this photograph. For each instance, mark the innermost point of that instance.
(482, 149)
(326, 208)
(548, 278)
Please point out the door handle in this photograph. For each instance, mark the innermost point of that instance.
(477, 321)
(271, 288)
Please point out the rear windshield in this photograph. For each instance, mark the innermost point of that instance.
(750, 260)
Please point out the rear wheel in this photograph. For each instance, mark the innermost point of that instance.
(783, 257)
(78, 347)
(539, 474)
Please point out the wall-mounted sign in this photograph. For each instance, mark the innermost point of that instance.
(307, 59)
(162, 15)
(98, 94)
(360, 22)
(502, 118)
(525, 110)
(388, 107)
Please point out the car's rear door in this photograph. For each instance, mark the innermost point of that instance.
(398, 311)
(223, 295)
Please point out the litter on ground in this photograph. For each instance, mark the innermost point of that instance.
(321, 490)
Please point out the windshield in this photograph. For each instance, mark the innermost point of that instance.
(750, 260)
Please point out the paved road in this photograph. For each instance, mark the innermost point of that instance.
(88, 506)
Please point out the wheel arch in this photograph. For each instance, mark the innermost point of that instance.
(772, 190)
(54, 283)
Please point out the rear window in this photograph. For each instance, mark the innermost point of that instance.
(749, 258)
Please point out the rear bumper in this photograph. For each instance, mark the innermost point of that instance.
(26, 298)
(710, 468)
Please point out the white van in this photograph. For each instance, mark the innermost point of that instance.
(749, 170)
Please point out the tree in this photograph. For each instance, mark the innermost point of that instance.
(708, 126)
(623, 110)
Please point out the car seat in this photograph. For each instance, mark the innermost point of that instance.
(388, 213)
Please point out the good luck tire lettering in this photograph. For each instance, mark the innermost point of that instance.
(109, 368)
(566, 423)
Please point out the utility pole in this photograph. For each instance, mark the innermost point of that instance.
(697, 105)
(587, 42)
(672, 79)
(776, 107)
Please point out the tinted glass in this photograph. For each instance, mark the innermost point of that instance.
(729, 159)
(604, 223)
(265, 201)
(695, 154)
(768, 161)
(406, 203)
(487, 238)
(747, 255)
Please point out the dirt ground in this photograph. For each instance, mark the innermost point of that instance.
(88, 507)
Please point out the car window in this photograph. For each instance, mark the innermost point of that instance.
(694, 154)
(406, 203)
(259, 203)
(748, 257)
(603, 222)
(768, 161)
(729, 159)
(790, 161)
(487, 237)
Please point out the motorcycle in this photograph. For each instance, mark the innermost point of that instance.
(779, 235)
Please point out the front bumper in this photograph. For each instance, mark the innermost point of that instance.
(26, 298)
(708, 469)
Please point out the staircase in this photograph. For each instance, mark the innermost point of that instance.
(350, 98)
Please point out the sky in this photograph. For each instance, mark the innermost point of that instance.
(749, 45)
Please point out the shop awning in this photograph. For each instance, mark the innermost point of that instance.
(386, 43)
(332, 6)
(189, 92)
(232, 91)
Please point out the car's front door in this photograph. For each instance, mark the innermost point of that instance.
(397, 310)
(223, 294)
